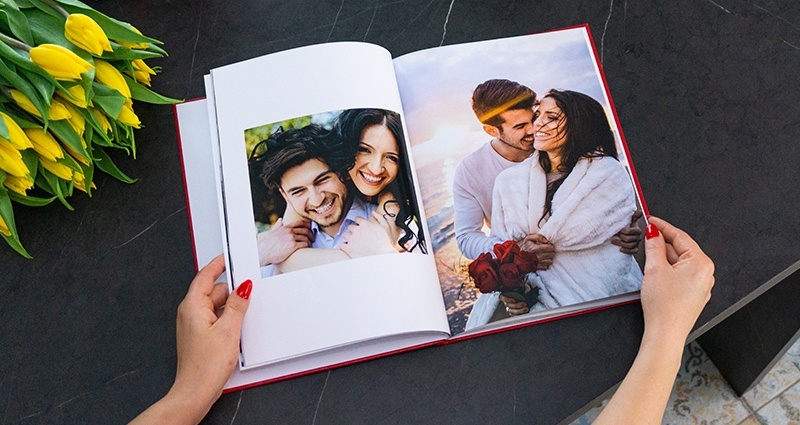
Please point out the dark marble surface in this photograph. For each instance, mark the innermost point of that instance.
(707, 93)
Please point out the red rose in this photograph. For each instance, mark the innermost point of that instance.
(504, 252)
(483, 272)
(526, 261)
(510, 276)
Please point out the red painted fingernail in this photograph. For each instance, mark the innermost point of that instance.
(651, 231)
(244, 289)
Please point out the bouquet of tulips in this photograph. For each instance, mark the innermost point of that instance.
(68, 76)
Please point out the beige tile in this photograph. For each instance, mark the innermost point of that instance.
(783, 375)
(794, 354)
(751, 420)
(783, 409)
(701, 395)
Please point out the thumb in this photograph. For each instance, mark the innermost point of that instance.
(654, 247)
(236, 306)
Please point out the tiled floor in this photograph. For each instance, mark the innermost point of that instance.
(702, 396)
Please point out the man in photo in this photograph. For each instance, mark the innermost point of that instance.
(298, 164)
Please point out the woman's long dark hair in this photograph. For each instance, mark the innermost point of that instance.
(349, 126)
(588, 135)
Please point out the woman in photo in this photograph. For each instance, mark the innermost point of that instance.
(573, 193)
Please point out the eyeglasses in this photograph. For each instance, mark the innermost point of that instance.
(261, 148)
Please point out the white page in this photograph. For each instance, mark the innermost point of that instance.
(335, 304)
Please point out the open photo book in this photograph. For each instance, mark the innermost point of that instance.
(381, 205)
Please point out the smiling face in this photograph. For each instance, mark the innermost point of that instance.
(513, 139)
(549, 127)
(316, 193)
(377, 160)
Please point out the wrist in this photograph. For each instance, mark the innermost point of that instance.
(190, 403)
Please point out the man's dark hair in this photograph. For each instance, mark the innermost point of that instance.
(288, 149)
(493, 97)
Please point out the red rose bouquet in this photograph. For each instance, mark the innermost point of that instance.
(505, 272)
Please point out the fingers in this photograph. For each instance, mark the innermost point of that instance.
(219, 294)
(514, 307)
(680, 240)
(654, 247)
(636, 216)
(235, 307)
(203, 283)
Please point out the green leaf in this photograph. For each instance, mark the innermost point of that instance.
(17, 22)
(108, 99)
(52, 184)
(104, 163)
(31, 160)
(21, 84)
(7, 213)
(31, 201)
(41, 84)
(142, 93)
(114, 29)
(125, 53)
(64, 131)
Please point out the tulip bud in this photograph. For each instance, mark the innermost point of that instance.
(59, 62)
(80, 182)
(16, 136)
(77, 92)
(126, 115)
(142, 72)
(18, 184)
(106, 73)
(76, 120)
(4, 228)
(57, 109)
(102, 119)
(84, 32)
(44, 143)
(60, 170)
(131, 44)
(11, 160)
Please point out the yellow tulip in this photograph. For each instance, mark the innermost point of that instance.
(18, 184)
(131, 44)
(85, 33)
(142, 72)
(80, 182)
(110, 76)
(4, 228)
(44, 143)
(57, 109)
(59, 62)
(102, 119)
(16, 136)
(76, 120)
(77, 92)
(60, 170)
(11, 160)
(127, 116)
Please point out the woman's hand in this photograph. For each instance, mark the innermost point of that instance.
(540, 246)
(366, 237)
(678, 278)
(209, 325)
(388, 209)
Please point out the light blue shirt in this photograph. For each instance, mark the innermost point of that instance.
(359, 208)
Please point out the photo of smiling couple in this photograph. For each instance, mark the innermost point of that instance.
(331, 187)
(550, 181)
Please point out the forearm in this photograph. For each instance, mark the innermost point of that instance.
(642, 396)
(472, 244)
(177, 407)
(309, 257)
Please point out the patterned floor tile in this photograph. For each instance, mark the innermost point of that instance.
(783, 375)
(701, 395)
(794, 354)
(783, 409)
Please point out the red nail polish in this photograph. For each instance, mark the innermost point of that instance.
(651, 231)
(244, 289)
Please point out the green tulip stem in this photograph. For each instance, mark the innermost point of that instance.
(57, 7)
(14, 42)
